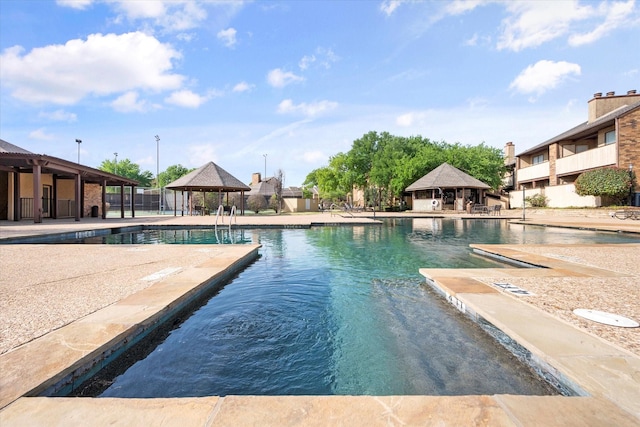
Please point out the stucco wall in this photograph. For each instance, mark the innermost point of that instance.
(559, 196)
(426, 205)
(300, 205)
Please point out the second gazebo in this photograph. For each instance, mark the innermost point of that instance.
(206, 179)
(446, 187)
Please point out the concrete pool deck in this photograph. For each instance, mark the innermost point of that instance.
(608, 373)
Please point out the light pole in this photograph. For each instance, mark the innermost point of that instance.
(79, 141)
(116, 164)
(158, 169)
(630, 184)
(265, 166)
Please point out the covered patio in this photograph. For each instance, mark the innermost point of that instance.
(209, 178)
(40, 186)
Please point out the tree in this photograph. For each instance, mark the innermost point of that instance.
(277, 186)
(256, 203)
(612, 183)
(389, 164)
(172, 173)
(127, 169)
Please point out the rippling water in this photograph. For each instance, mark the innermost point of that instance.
(342, 310)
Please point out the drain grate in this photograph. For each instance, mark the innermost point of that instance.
(508, 287)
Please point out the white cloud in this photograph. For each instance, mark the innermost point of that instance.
(172, 16)
(279, 78)
(458, 7)
(75, 4)
(544, 75)
(186, 98)
(129, 103)
(243, 87)
(389, 6)
(288, 107)
(306, 61)
(58, 116)
(322, 57)
(228, 37)
(101, 65)
(41, 134)
(617, 15)
(531, 24)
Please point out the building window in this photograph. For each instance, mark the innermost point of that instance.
(581, 148)
(537, 159)
(610, 137)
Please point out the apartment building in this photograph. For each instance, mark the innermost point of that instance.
(609, 138)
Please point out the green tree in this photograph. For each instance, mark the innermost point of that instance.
(127, 169)
(614, 184)
(172, 173)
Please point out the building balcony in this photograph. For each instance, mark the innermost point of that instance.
(596, 158)
(535, 172)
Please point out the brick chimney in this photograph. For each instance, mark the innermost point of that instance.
(256, 178)
(600, 105)
(509, 154)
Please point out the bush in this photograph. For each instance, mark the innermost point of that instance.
(613, 184)
(256, 203)
(537, 201)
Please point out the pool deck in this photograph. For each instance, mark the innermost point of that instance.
(64, 306)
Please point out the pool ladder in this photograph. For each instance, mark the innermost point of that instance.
(220, 214)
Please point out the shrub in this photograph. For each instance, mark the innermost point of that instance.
(256, 203)
(537, 201)
(613, 184)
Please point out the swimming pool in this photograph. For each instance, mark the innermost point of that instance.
(342, 310)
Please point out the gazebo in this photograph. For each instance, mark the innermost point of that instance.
(206, 179)
(446, 187)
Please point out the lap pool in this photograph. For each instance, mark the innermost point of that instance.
(340, 311)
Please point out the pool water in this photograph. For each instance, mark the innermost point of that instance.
(343, 311)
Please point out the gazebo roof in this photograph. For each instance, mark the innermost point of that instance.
(209, 177)
(446, 176)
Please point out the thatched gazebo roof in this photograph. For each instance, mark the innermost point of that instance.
(446, 176)
(209, 177)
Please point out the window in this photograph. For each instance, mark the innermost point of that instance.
(610, 137)
(581, 148)
(537, 159)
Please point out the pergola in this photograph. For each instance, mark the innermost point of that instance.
(18, 161)
(208, 178)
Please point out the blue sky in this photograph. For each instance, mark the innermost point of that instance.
(299, 81)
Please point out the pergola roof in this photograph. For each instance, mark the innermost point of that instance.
(209, 177)
(446, 176)
(16, 159)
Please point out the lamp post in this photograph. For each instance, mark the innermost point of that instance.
(79, 141)
(265, 166)
(158, 169)
(115, 172)
(630, 184)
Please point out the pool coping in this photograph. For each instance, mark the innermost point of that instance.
(598, 408)
(583, 363)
